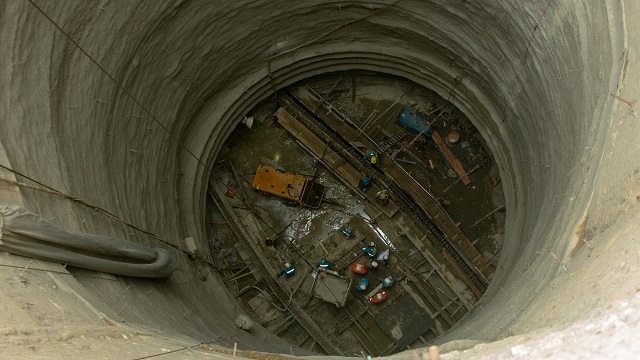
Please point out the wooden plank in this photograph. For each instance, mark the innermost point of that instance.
(457, 166)
(333, 160)
(318, 147)
(458, 284)
(435, 304)
(460, 272)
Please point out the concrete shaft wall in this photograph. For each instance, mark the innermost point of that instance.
(126, 104)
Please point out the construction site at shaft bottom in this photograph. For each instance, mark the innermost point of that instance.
(432, 289)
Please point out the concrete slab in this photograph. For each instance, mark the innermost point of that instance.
(332, 289)
(404, 321)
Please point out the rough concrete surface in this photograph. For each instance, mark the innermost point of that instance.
(126, 104)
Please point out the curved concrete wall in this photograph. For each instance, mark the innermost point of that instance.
(126, 104)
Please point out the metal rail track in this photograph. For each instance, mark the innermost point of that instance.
(278, 289)
(348, 316)
(356, 158)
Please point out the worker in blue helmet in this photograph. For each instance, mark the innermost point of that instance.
(388, 281)
(364, 183)
(370, 249)
(325, 264)
(289, 270)
(347, 230)
(362, 284)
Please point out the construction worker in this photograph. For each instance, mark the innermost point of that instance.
(379, 297)
(347, 230)
(359, 268)
(362, 284)
(388, 281)
(372, 157)
(382, 196)
(289, 269)
(364, 184)
(370, 249)
(384, 257)
(325, 264)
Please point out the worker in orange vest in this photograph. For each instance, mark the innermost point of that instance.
(359, 268)
(379, 297)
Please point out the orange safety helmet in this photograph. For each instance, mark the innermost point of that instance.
(379, 297)
(359, 268)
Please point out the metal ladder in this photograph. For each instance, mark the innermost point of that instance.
(389, 142)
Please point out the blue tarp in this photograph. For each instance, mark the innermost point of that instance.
(414, 122)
